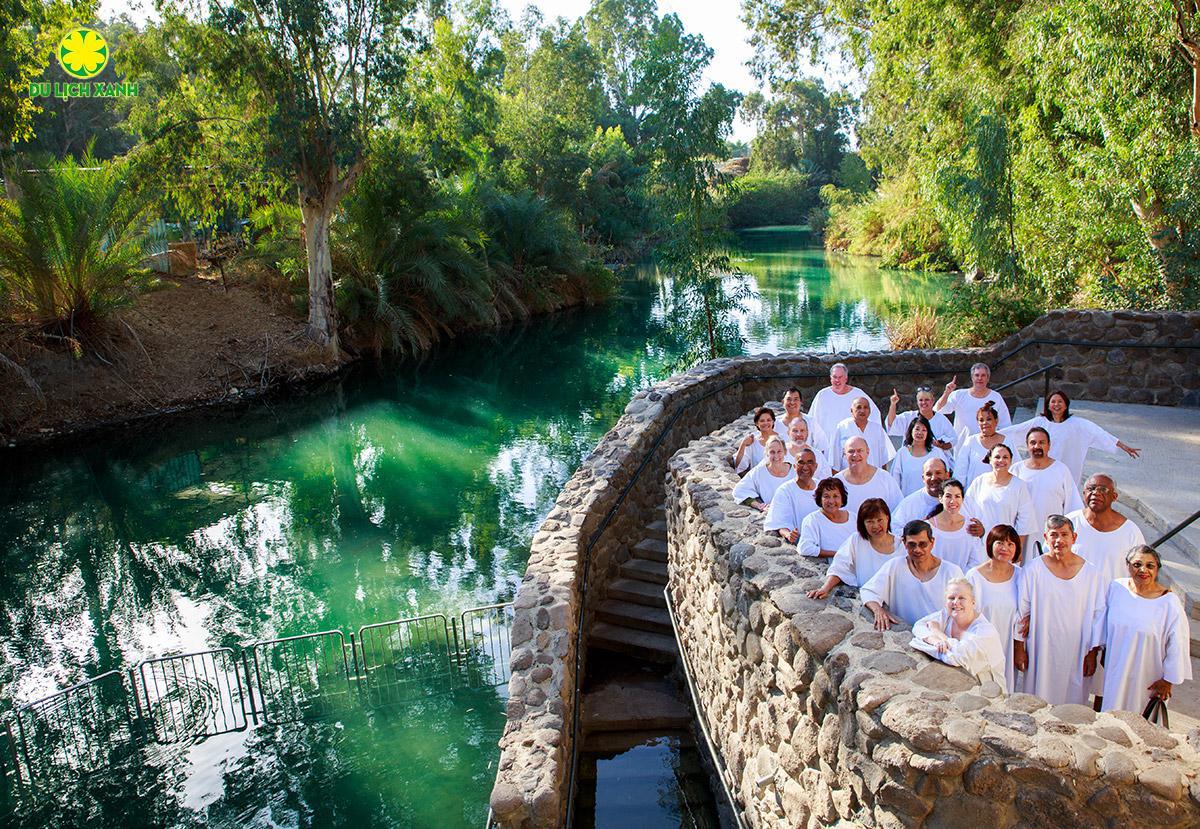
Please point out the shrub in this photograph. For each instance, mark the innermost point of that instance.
(757, 199)
(73, 248)
(894, 223)
(917, 328)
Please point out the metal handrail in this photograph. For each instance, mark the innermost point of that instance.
(608, 516)
(723, 773)
(1045, 370)
(1177, 529)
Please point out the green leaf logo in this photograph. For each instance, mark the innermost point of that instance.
(83, 53)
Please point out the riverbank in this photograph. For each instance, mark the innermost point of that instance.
(190, 345)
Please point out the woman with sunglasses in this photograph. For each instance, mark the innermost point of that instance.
(909, 462)
(944, 436)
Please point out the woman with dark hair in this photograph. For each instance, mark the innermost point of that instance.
(1071, 436)
(822, 532)
(954, 543)
(909, 462)
(1000, 496)
(758, 487)
(864, 552)
(1146, 636)
(753, 448)
(997, 582)
(969, 461)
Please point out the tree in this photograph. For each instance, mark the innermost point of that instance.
(800, 122)
(314, 76)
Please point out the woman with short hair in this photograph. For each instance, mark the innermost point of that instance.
(823, 532)
(1000, 496)
(960, 635)
(863, 552)
(909, 464)
(997, 584)
(758, 487)
(753, 448)
(1147, 641)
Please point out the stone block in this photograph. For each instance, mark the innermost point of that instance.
(1013, 720)
(917, 722)
(1072, 713)
(1043, 809)
(939, 677)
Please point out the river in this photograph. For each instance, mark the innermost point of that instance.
(400, 490)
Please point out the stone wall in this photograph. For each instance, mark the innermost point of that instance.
(819, 718)
(535, 749)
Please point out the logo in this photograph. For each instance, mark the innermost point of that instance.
(83, 53)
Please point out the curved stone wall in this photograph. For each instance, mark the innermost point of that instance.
(535, 750)
(819, 718)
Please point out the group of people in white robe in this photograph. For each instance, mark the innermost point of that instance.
(1001, 565)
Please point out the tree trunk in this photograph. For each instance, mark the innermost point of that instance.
(322, 313)
(8, 166)
(1163, 236)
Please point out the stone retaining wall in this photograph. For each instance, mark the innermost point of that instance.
(820, 718)
(535, 750)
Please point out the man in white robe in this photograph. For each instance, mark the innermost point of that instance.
(865, 481)
(1052, 488)
(965, 404)
(944, 436)
(794, 500)
(793, 407)
(831, 405)
(906, 589)
(1062, 602)
(918, 505)
(1105, 536)
(859, 424)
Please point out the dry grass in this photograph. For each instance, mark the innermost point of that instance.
(919, 328)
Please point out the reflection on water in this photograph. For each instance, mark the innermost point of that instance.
(397, 491)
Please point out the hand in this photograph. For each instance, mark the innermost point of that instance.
(975, 528)
(895, 398)
(760, 506)
(790, 536)
(952, 385)
(885, 620)
(1023, 625)
(820, 592)
(1129, 450)
(1161, 689)
(944, 445)
(1089, 662)
(746, 441)
(1020, 656)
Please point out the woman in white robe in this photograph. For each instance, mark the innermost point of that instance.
(952, 541)
(1147, 642)
(1001, 497)
(997, 584)
(863, 552)
(823, 532)
(909, 464)
(969, 461)
(758, 487)
(1071, 436)
(793, 501)
(960, 635)
(753, 448)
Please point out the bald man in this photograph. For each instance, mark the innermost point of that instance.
(865, 481)
(1104, 535)
(859, 424)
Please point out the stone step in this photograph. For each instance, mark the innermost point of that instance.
(657, 529)
(630, 615)
(654, 549)
(1194, 626)
(644, 570)
(634, 704)
(638, 592)
(642, 644)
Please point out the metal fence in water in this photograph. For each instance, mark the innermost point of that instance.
(187, 697)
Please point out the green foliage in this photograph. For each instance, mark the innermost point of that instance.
(72, 248)
(894, 223)
(981, 313)
(614, 207)
(800, 127)
(780, 198)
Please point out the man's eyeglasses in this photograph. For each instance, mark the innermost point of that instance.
(1097, 488)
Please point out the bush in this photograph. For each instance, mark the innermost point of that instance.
(757, 200)
(893, 223)
(73, 248)
(917, 328)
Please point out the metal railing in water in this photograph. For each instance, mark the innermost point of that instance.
(187, 697)
(594, 538)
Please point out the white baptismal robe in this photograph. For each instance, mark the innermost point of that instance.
(882, 485)
(1052, 491)
(1106, 550)
(943, 429)
(856, 560)
(755, 453)
(916, 507)
(829, 408)
(761, 483)
(789, 506)
(877, 440)
(958, 546)
(1009, 504)
(818, 533)
(965, 409)
(1066, 620)
(823, 470)
(980, 650)
(905, 595)
(1145, 640)
(909, 469)
(998, 601)
(816, 432)
(1069, 440)
(968, 459)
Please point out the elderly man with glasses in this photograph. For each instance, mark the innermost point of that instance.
(1105, 536)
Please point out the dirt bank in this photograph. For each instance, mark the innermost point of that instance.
(188, 344)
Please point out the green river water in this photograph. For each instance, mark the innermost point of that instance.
(399, 490)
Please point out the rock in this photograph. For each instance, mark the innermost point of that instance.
(964, 810)
(1028, 774)
(969, 702)
(1028, 703)
(1106, 801)
(888, 662)
(963, 734)
(942, 764)
(901, 799)
(874, 694)
(1163, 780)
(1073, 713)
(822, 632)
(1150, 734)
(1114, 734)
(1006, 743)
(1046, 810)
(507, 803)
(939, 677)
(871, 640)
(1052, 752)
(521, 659)
(988, 778)
(1014, 720)
(917, 722)
(1118, 768)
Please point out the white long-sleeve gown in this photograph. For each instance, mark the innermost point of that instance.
(818, 533)
(1009, 504)
(980, 650)
(905, 595)
(1106, 550)
(998, 601)
(761, 483)
(909, 469)
(958, 546)
(1066, 620)
(1145, 640)
(789, 506)
(880, 445)
(882, 485)
(965, 409)
(856, 560)
(1069, 440)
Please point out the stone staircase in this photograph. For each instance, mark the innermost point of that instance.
(632, 619)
